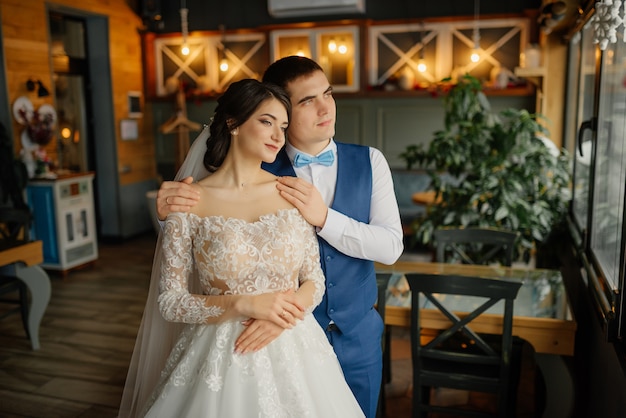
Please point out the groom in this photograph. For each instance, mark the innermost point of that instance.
(346, 192)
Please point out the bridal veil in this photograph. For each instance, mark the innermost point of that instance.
(156, 337)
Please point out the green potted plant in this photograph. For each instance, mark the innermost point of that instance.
(491, 170)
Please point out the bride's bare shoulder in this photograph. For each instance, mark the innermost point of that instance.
(205, 181)
(207, 193)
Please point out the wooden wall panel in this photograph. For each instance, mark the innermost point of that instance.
(555, 56)
(26, 49)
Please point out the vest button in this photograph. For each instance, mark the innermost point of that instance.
(331, 311)
(327, 258)
(330, 284)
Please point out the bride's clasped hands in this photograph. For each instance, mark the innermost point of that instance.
(281, 308)
(269, 315)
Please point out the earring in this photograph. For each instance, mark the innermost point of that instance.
(235, 132)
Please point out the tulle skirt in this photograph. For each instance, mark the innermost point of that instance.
(295, 376)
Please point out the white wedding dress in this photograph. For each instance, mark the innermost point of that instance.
(297, 375)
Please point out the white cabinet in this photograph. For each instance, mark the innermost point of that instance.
(64, 220)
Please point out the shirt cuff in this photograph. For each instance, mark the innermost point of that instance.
(334, 226)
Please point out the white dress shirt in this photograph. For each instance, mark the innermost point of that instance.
(381, 239)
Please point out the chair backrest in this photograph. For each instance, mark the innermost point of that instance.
(14, 225)
(459, 357)
(475, 245)
(382, 281)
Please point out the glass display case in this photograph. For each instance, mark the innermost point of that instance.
(336, 49)
(208, 64)
(429, 51)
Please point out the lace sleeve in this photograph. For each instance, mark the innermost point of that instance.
(176, 303)
(311, 269)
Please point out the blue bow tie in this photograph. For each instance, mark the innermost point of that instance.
(326, 158)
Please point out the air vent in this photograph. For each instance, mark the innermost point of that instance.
(303, 8)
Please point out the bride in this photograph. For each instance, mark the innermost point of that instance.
(238, 278)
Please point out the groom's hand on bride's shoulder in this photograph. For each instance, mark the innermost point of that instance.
(176, 196)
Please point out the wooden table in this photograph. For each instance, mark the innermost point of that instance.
(22, 261)
(547, 335)
(425, 198)
(550, 329)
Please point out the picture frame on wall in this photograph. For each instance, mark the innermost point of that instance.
(129, 130)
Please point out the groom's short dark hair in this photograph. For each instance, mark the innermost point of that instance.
(287, 69)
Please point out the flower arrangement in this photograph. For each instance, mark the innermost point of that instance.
(40, 127)
(39, 131)
(43, 163)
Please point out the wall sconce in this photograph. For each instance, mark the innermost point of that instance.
(42, 91)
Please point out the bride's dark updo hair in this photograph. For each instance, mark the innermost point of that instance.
(234, 108)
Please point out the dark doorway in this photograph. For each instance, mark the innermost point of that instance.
(79, 54)
(71, 86)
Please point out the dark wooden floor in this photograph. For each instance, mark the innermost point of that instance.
(87, 337)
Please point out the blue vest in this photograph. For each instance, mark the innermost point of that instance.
(351, 290)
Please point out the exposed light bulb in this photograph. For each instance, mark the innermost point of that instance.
(300, 53)
(475, 57)
(342, 48)
(332, 46)
(184, 28)
(66, 133)
(421, 66)
(224, 65)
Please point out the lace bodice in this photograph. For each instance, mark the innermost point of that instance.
(231, 256)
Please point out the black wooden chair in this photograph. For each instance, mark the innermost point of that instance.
(14, 225)
(475, 245)
(458, 357)
(14, 230)
(382, 281)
